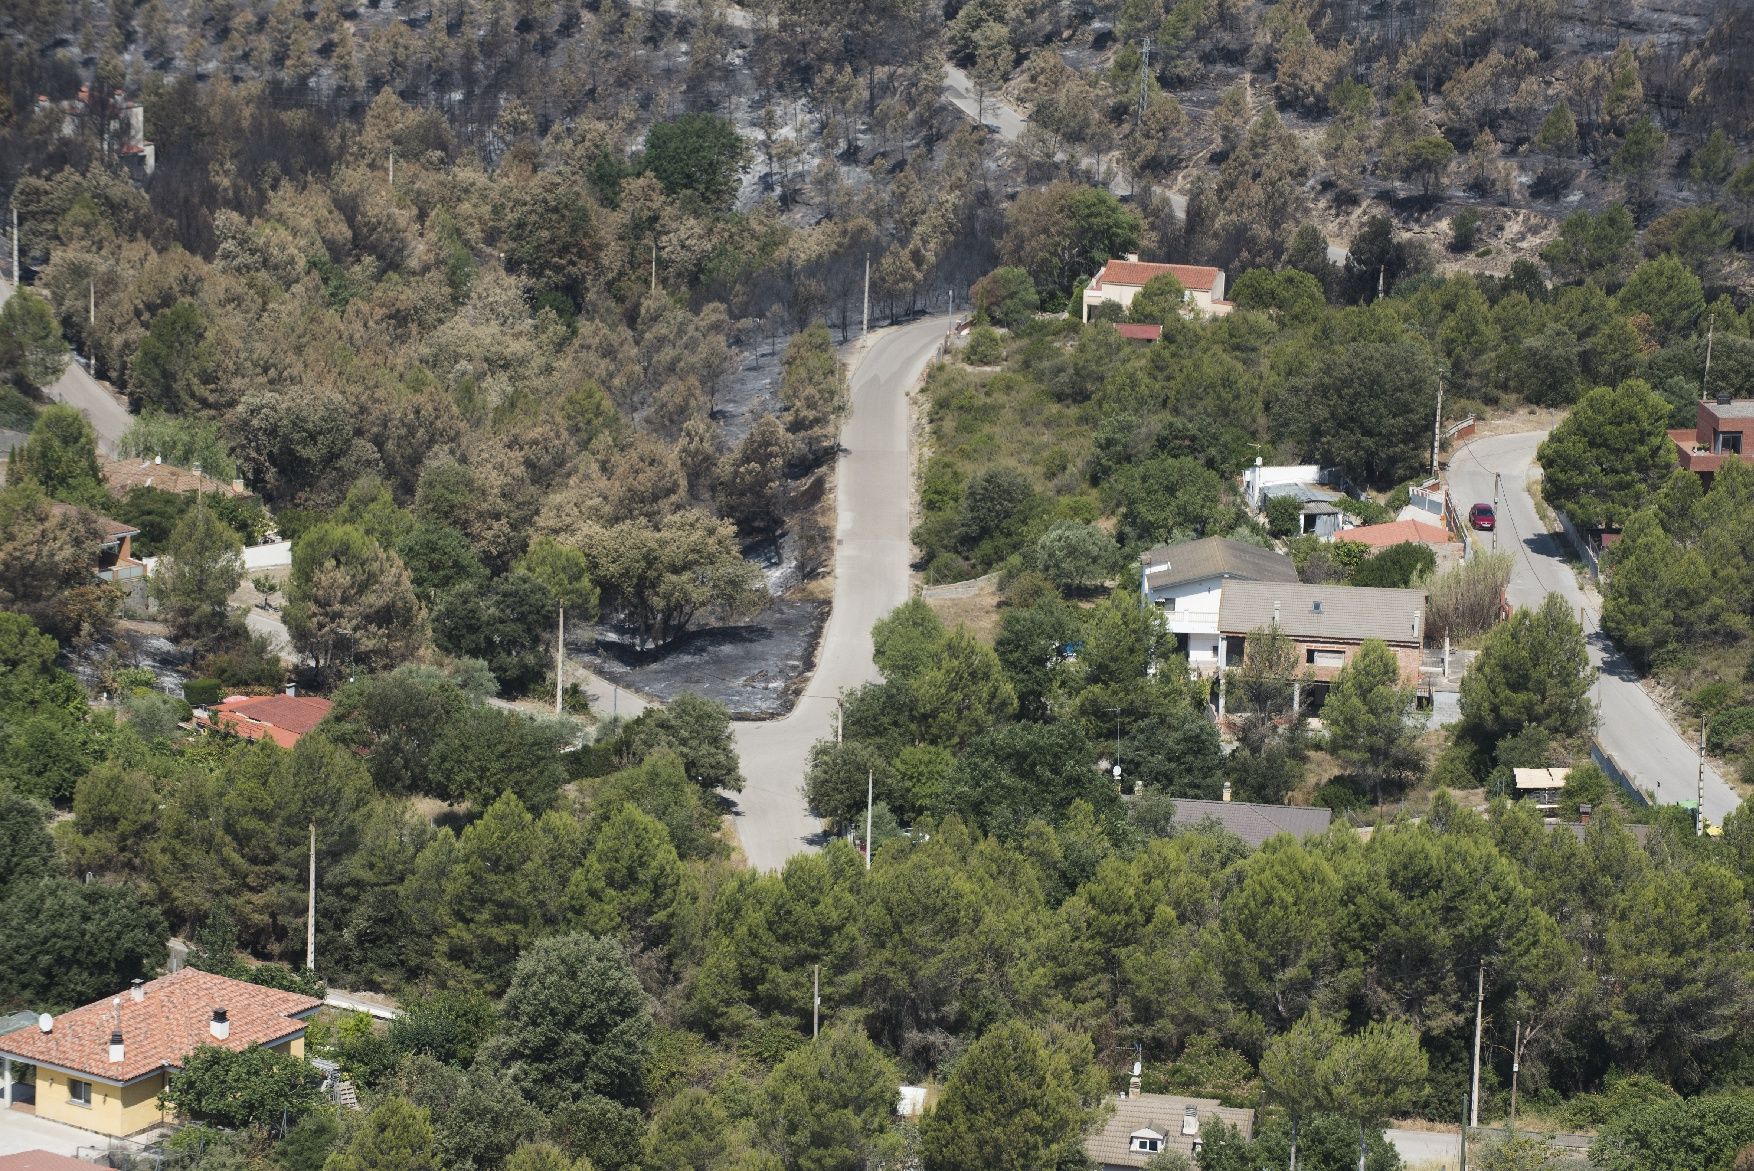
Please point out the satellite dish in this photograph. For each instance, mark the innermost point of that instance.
(45, 1022)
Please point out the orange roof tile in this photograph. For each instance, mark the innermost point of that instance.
(43, 1161)
(283, 719)
(1139, 272)
(171, 1020)
(1139, 333)
(121, 475)
(1396, 532)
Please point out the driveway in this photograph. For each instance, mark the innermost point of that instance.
(1630, 726)
(874, 481)
(102, 407)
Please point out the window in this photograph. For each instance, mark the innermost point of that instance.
(1729, 443)
(1147, 1145)
(1318, 658)
(1169, 605)
(78, 1092)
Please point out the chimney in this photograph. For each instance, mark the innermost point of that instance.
(1227, 791)
(1583, 813)
(1725, 397)
(137, 990)
(1132, 258)
(1134, 1083)
(116, 1047)
(221, 1026)
(292, 690)
(1191, 1120)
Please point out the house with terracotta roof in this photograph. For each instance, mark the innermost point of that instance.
(1376, 538)
(102, 1067)
(283, 719)
(122, 476)
(1119, 281)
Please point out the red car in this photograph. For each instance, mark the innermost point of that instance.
(1482, 517)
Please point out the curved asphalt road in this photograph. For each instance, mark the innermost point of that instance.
(102, 407)
(872, 551)
(1631, 727)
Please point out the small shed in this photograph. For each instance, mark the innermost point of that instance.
(1542, 785)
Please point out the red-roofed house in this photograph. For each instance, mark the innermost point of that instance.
(101, 1067)
(1119, 281)
(1404, 532)
(280, 718)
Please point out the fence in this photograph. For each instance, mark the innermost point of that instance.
(1580, 546)
(1618, 775)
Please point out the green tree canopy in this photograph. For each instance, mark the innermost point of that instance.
(242, 1088)
(574, 1021)
(1609, 455)
(197, 574)
(1013, 1102)
(701, 155)
(31, 345)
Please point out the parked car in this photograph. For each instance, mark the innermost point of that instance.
(1482, 517)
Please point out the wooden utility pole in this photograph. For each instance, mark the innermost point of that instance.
(1479, 1019)
(15, 240)
(870, 788)
(1516, 1061)
(816, 1002)
(559, 659)
(865, 320)
(311, 908)
(1699, 807)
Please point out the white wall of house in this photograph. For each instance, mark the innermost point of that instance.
(1191, 609)
(1258, 479)
(1122, 295)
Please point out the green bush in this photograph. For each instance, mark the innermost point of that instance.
(1284, 516)
(984, 348)
(202, 692)
(16, 411)
(1730, 729)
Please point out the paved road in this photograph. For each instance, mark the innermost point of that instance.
(872, 551)
(1632, 727)
(105, 409)
(1426, 1148)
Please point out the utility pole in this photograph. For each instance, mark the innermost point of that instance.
(1479, 1019)
(392, 170)
(1437, 424)
(654, 263)
(816, 1002)
(1699, 807)
(1516, 1061)
(1117, 758)
(91, 324)
(15, 240)
(1144, 84)
(311, 908)
(559, 660)
(865, 320)
(870, 790)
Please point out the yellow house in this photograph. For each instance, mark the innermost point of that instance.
(102, 1067)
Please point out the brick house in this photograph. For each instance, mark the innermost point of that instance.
(1327, 623)
(1720, 430)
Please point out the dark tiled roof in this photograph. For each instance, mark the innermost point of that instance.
(1162, 1113)
(1252, 823)
(1344, 613)
(1212, 557)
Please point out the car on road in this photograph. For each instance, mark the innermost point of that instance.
(1482, 517)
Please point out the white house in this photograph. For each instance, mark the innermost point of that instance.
(1119, 281)
(1184, 584)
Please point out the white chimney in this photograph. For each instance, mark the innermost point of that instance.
(1134, 1084)
(137, 990)
(221, 1026)
(116, 1047)
(1191, 1121)
(1227, 791)
(292, 690)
